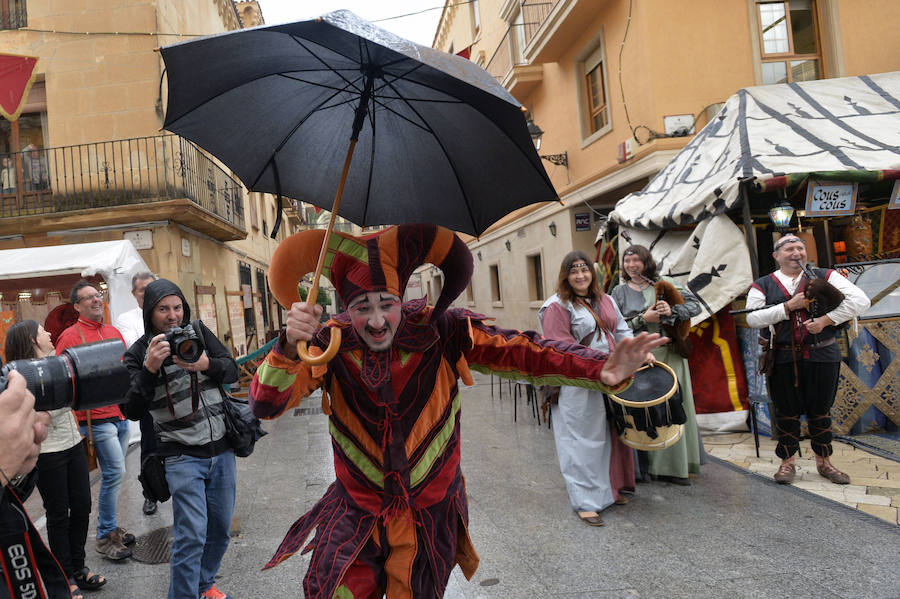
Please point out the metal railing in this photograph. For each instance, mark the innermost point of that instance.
(13, 14)
(505, 57)
(533, 16)
(116, 173)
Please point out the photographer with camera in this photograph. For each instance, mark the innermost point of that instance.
(177, 369)
(106, 426)
(22, 430)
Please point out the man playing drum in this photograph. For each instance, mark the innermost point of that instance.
(807, 359)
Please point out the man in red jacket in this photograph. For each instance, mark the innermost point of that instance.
(107, 425)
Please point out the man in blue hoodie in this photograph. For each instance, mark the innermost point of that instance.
(185, 400)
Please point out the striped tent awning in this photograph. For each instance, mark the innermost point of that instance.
(847, 124)
(775, 135)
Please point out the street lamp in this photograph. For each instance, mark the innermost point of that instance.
(781, 215)
(536, 134)
(553, 228)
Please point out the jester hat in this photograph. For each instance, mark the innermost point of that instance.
(383, 261)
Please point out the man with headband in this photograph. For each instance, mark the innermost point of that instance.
(395, 520)
(807, 358)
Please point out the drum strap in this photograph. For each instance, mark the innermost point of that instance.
(610, 338)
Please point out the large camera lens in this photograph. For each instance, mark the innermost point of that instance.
(50, 380)
(84, 377)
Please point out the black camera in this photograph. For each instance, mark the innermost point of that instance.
(185, 343)
(83, 377)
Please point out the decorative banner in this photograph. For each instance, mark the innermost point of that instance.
(206, 311)
(830, 199)
(717, 369)
(16, 77)
(235, 303)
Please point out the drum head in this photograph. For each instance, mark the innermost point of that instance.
(653, 384)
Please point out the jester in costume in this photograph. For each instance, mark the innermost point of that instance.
(395, 520)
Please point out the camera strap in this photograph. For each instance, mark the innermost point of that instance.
(29, 569)
(195, 396)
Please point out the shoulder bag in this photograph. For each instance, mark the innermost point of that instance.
(242, 428)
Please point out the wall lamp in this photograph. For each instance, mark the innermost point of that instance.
(553, 228)
(536, 134)
(508, 246)
(479, 255)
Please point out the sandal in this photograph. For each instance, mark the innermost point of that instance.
(622, 500)
(87, 580)
(591, 518)
(74, 590)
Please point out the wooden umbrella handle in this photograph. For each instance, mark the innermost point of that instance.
(334, 344)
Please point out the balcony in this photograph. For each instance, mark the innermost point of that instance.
(550, 27)
(509, 68)
(119, 182)
(13, 14)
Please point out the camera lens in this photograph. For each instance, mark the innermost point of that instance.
(188, 350)
(50, 380)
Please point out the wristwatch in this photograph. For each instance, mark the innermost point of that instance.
(14, 481)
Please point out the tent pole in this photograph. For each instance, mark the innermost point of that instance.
(749, 231)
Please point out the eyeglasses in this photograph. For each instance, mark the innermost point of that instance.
(90, 297)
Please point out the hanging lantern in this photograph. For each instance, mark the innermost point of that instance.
(781, 215)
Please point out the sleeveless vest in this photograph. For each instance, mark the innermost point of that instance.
(776, 293)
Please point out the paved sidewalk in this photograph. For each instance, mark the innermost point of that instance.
(874, 481)
(732, 534)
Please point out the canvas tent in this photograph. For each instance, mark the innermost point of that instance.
(115, 261)
(847, 128)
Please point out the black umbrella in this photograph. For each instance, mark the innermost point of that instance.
(284, 106)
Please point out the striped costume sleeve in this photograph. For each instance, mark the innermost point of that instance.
(281, 383)
(528, 356)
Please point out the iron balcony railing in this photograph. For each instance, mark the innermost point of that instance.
(506, 56)
(533, 16)
(13, 14)
(115, 173)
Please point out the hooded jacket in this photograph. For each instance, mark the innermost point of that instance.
(167, 394)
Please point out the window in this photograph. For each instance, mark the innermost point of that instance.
(594, 84)
(790, 47)
(535, 278)
(476, 18)
(495, 283)
(593, 90)
(245, 277)
(470, 293)
(264, 299)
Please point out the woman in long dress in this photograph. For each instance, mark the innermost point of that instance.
(636, 299)
(597, 467)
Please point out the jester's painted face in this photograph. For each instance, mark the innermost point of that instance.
(375, 316)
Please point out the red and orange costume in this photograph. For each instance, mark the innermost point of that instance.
(396, 518)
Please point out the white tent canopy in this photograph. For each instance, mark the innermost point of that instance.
(847, 124)
(115, 261)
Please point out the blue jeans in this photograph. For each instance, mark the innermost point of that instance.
(111, 441)
(202, 505)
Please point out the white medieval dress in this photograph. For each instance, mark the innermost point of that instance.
(584, 440)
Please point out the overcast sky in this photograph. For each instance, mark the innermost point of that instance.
(419, 28)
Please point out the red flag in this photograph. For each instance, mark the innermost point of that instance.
(16, 77)
(464, 53)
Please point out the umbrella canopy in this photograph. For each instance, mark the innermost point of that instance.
(439, 140)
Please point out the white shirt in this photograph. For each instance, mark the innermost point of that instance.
(855, 301)
(131, 325)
